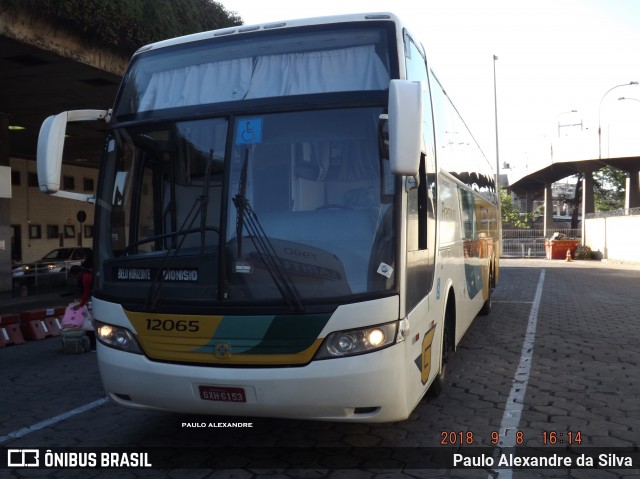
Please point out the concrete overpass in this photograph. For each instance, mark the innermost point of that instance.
(582, 153)
(45, 71)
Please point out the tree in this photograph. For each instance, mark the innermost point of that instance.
(511, 214)
(126, 25)
(609, 188)
(577, 199)
(608, 191)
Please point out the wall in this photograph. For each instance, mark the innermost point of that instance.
(614, 237)
(5, 239)
(5, 206)
(30, 207)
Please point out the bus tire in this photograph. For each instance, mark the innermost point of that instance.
(447, 351)
(486, 307)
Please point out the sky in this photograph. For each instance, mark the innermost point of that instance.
(557, 61)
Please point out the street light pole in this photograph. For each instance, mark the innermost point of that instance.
(495, 106)
(559, 126)
(600, 112)
(571, 124)
(627, 98)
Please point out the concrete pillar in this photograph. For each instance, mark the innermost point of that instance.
(548, 210)
(588, 203)
(528, 202)
(632, 190)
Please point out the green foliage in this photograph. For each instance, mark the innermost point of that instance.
(609, 188)
(510, 214)
(126, 25)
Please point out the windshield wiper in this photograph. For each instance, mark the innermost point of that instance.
(202, 200)
(247, 217)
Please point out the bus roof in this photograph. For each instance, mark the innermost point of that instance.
(325, 20)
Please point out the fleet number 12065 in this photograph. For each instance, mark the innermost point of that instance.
(180, 325)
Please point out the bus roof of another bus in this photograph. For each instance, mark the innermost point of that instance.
(354, 17)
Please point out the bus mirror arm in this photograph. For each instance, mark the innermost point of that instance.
(411, 183)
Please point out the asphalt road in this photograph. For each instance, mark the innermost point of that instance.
(556, 361)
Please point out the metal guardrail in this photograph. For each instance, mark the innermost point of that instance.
(530, 243)
(39, 275)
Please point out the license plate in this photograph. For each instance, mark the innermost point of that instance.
(224, 394)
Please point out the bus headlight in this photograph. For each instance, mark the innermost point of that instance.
(117, 337)
(357, 341)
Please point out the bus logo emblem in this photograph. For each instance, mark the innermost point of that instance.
(222, 350)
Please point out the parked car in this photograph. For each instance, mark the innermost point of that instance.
(59, 260)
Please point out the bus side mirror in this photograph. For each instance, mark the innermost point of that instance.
(51, 146)
(405, 126)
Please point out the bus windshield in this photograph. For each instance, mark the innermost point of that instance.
(298, 208)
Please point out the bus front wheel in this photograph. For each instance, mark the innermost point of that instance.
(447, 352)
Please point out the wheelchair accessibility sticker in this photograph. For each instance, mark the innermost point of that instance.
(249, 131)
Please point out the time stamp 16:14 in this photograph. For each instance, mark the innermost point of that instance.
(549, 438)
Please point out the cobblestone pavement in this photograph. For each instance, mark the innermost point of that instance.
(583, 369)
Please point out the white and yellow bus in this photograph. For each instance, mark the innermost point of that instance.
(292, 220)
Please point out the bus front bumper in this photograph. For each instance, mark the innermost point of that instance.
(365, 388)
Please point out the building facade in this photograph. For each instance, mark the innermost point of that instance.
(39, 222)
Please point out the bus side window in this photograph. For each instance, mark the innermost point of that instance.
(423, 207)
(422, 199)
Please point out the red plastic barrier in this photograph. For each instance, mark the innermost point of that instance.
(53, 320)
(33, 324)
(10, 332)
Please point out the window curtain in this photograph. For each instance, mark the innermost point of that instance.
(197, 84)
(346, 69)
